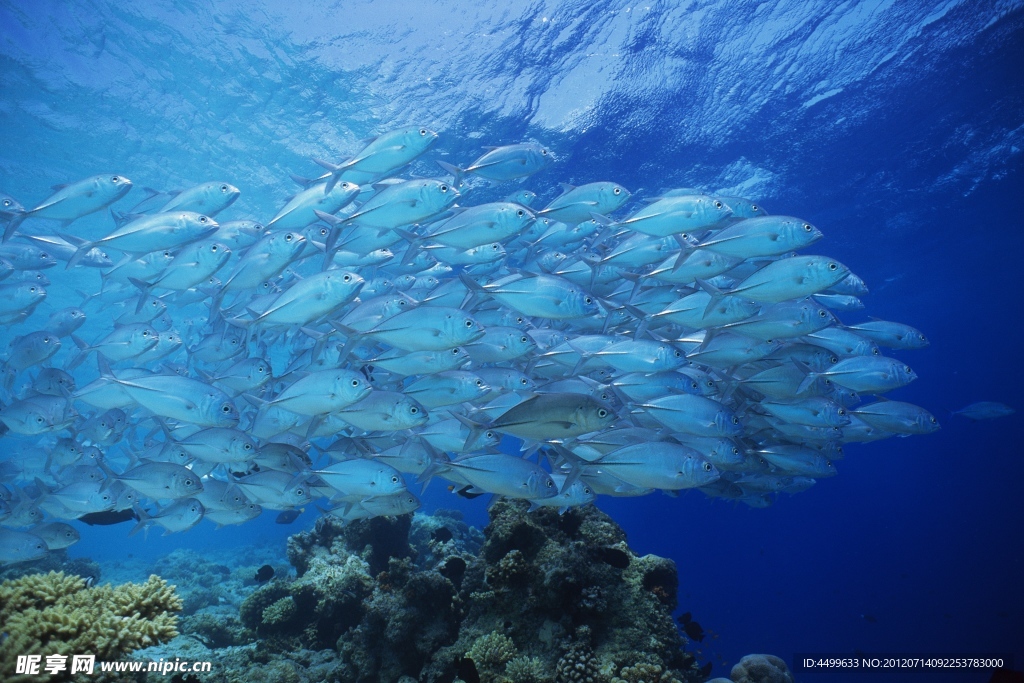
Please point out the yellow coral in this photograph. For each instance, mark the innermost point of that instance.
(46, 614)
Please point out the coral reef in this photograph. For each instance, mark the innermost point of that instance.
(527, 670)
(644, 673)
(537, 597)
(761, 669)
(578, 664)
(56, 613)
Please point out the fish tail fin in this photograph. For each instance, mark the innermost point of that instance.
(104, 366)
(471, 284)
(714, 292)
(352, 339)
(143, 518)
(456, 172)
(336, 171)
(475, 429)
(144, 289)
(80, 253)
(80, 358)
(414, 241)
(12, 225)
(304, 182)
(808, 380)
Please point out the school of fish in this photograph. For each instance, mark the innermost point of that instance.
(380, 332)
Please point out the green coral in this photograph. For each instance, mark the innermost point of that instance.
(45, 614)
(492, 651)
(525, 669)
(281, 612)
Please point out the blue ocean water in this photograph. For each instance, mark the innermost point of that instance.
(896, 128)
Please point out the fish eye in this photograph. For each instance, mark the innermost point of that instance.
(115, 179)
(907, 369)
(932, 420)
(7, 202)
(145, 333)
(693, 385)
(214, 248)
(202, 219)
(423, 131)
(544, 152)
(455, 351)
(520, 213)
(602, 413)
(587, 300)
(347, 278)
(677, 353)
(226, 408)
(289, 237)
(842, 412)
(414, 410)
(298, 491)
(489, 435)
(833, 266)
(921, 337)
(479, 382)
(39, 419)
(707, 467)
(444, 188)
(549, 483)
(718, 204)
(822, 313)
(355, 383)
(260, 369)
(188, 482)
(524, 339)
(223, 188)
(524, 381)
(469, 323)
(833, 359)
(735, 420)
(617, 190)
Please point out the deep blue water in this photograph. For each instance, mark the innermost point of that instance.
(896, 128)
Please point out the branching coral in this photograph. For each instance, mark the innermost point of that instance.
(53, 613)
(492, 651)
(525, 669)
